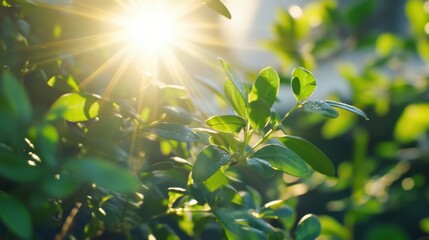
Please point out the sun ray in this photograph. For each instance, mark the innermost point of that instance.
(144, 37)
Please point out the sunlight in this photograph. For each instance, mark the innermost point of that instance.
(150, 27)
(148, 41)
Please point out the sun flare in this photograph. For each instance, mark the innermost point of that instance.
(149, 27)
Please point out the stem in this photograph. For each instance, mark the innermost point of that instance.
(272, 130)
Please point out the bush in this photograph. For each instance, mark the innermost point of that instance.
(89, 152)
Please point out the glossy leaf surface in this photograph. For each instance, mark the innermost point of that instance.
(283, 159)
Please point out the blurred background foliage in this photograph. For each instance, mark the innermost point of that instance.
(382, 187)
(381, 190)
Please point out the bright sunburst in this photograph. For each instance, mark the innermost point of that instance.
(150, 27)
(143, 40)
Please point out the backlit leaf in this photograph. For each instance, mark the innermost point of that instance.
(219, 7)
(310, 154)
(259, 114)
(173, 131)
(282, 159)
(208, 162)
(303, 83)
(347, 107)
(226, 123)
(63, 83)
(75, 107)
(413, 122)
(266, 86)
(235, 99)
(232, 75)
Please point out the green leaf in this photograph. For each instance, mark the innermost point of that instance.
(15, 216)
(235, 224)
(104, 174)
(180, 115)
(215, 181)
(226, 123)
(416, 16)
(234, 98)
(16, 96)
(63, 83)
(259, 114)
(308, 228)
(331, 227)
(75, 107)
(174, 194)
(310, 154)
(208, 162)
(163, 231)
(347, 107)
(386, 231)
(266, 86)
(261, 167)
(303, 83)
(225, 140)
(62, 187)
(283, 159)
(320, 107)
(219, 7)
(173, 131)
(45, 138)
(277, 213)
(278, 210)
(230, 73)
(17, 168)
(413, 122)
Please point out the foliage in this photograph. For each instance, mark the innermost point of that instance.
(382, 174)
(75, 162)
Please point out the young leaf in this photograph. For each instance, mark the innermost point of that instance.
(63, 83)
(16, 96)
(208, 162)
(261, 167)
(310, 154)
(219, 7)
(226, 123)
(234, 78)
(225, 139)
(15, 216)
(266, 86)
(235, 99)
(75, 107)
(303, 83)
(259, 114)
(308, 228)
(173, 131)
(282, 159)
(347, 107)
(320, 107)
(104, 174)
